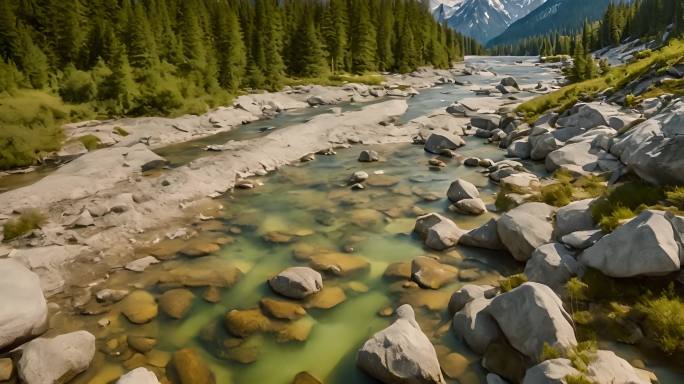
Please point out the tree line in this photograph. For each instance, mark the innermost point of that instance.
(149, 56)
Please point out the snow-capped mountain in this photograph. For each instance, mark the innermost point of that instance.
(482, 19)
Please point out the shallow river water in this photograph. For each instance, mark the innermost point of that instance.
(307, 209)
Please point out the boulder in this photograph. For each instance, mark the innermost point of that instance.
(532, 315)
(437, 231)
(485, 236)
(580, 154)
(462, 189)
(468, 293)
(437, 142)
(604, 367)
(368, 156)
(553, 265)
(176, 302)
(191, 368)
(551, 371)
(138, 376)
(430, 273)
(297, 282)
(510, 82)
(23, 310)
(545, 144)
(401, 353)
(475, 325)
(487, 122)
(56, 360)
(582, 239)
(139, 307)
(645, 246)
(525, 228)
(574, 217)
(520, 149)
(588, 116)
(473, 207)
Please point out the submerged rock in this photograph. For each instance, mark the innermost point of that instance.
(23, 312)
(525, 228)
(202, 272)
(176, 302)
(430, 273)
(138, 376)
(297, 282)
(531, 316)
(58, 359)
(139, 307)
(401, 353)
(368, 156)
(191, 368)
(646, 245)
(280, 309)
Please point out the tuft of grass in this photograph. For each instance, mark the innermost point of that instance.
(613, 220)
(643, 54)
(623, 202)
(577, 379)
(676, 197)
(503, 202)
(121, 132)
(550, 353)
(91, 142)
(557, 194)
(338, 80)
(664, 321)
(567, 189)
(615, 77)
(25, 223)
(512, 282)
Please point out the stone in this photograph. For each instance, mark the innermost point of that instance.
(280, 309)
(176, 302)
(485, 236)
(430, 273)
(574, 217)
(336, 263)
(139, 307)
(532, 315)
(327, 298)
(473, 207)
(544, 145)
(475, 326)
(23, 310)
(212, 295)
(579, 154)
(438, 231)
(141, 264)
(553, 265)
(368, 156)
(510, 82)
(520, 149)
(297, 282)
(401, 353)
(505, 361)
(84, 219)
(138, 376)
(453, 364)
(141, 344)
(645, 246)
(551, 371)
(56, 360)
(399, 270)
(6, 369)
(110, 296)
(487, 122)
(582, 239)
(201, 272)
(358, 177)
(199, 249)
(468, 293)
(437, 142)
(462, 189)
(305, 378)
(471, 162)
(191, 368)
(604, 367)
(525, 228)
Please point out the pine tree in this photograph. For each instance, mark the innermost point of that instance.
(363, 44)
(335, 28)
(230, 49)
(385, 37)
(309, 60)
(142, 50)
(32, 61)
(579, 58)
(9, 37)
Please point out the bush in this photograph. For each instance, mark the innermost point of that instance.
(664, 321)
(77, 87)
(25, 223)
(91, 142)
(676, 197)
(512, 282)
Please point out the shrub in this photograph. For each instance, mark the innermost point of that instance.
(558, 194)
(664, 321)
(676, 197)
(512, 282)
(91, 142)
(77, 86)
(25, 223)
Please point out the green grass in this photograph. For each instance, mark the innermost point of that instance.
(91, 142)
(613, 220)
(623, 202)
(338, 80)
(664, 321)
(121, 132)
(577, 379)
(676, 197)
(25, 223)
(616, 77)
(568, 189)
(512, 282)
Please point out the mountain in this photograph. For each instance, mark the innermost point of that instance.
(554, 15)
(482, 19)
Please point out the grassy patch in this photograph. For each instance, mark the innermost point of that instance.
(616, 78)
(91, 142)
(664, 321)
(338, 80)
(121, 132)
(568, 189)
(623, 202)
(512, 282)
(25, 223)
(676, 197)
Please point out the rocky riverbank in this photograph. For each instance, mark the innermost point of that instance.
(119, 209)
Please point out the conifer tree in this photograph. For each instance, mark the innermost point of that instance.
(309, 60)
(363, 44)
(9, 37)
(335, 28)
(230, 49)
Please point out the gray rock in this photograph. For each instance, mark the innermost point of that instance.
(553, 265)
(525, 228)
(580, 154)
(430, 273)
(141, 264)
(545, 144)
(483, 133)
(510, 82)
(551, 371)
(645, 246)
(520, 149)
(574, 217)
(607, 367)
(437, 142)
(473, 207)
(358, 177)
(485, 236)
(23, 310)
(56, 360)
(368, 156)
(471, 162)
(401, 353)
(582, 239)
(588, 115)
(84, 219)
(462, 189)
(297, 282)
(532, 315)
(468, 293)
(487, 122)
(475, 325)
(493, 378)
(138, 376)
(438, 231)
